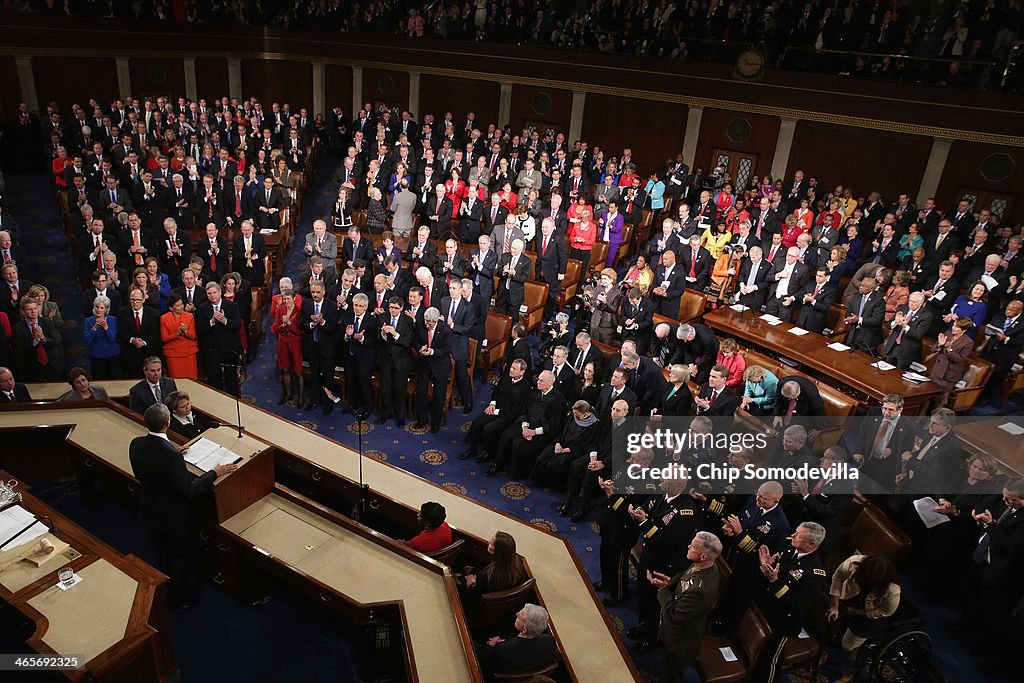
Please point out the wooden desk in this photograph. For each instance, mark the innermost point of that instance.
(589, 642)
(115, 616)
(983, 435)
(850, 370)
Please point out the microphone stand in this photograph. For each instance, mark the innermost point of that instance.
(873, 355)
(238, 383)
(359, 508)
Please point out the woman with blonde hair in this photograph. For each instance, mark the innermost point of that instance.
(678, 400)
(759, 389)
(47, 309)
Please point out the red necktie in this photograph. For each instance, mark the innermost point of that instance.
(817, 288)
(98, 241)
(40, 349)
(238, 204)
(693, 266)
(426, 297)
(138, 322)
(790, 411)
(544, 245)
(899, 337)
(818, 487)
(430, 338)
(714, 395)
(771, 254)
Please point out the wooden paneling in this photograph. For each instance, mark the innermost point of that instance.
(439, 94)
(716, 127)
(69, 80)
(963, 169)
(212, 78)
(652, 130)
(157, 76)
(338, 87)
(274, 80)
(861, 159)
(10, 89)
(389, 87)
(523, 99)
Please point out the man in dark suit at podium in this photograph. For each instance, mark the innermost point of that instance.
(166, 491)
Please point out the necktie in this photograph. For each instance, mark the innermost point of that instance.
(579, 361)
(693, 265)
(880, 437)
(430, 338)
(40, 349)
(494, 214)
(238, 204)
(426, 297)
(138, 322)
(817, 288)
(819, 486)
(863, 303)
(711, 400)
(394, 323)
(7, 255)
(1008, 323)
(156, 393)
(544, 246)
(98, 242)
(508, 239)
(899, 337)
(316, 328)
(790, 411)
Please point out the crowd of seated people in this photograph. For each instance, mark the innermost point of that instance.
(411, 304)
(968, 38)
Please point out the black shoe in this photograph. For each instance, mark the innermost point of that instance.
(180, 604)
(434, 429)
(400, 422)
(578, 515)
(381, 420)
(564, 508)
(636, 633)
(493, 472)
(467, 409)
(417, 425)
(283, 400)
(646, 645)
(467, 454)
(312, 405)
(328, 408)
(599, 585)
(611, 602)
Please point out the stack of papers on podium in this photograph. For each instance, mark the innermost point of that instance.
(739, 308)
(13, 523)
(836, 346)
(770, 319)
(798, 331)
(206, 455)
(914, 378)
(1012, 428)
(882, 365)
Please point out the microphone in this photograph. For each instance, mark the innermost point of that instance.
(871, 351)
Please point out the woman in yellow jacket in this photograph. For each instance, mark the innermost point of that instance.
(864, 591)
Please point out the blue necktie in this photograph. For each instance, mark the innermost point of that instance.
(316, 329)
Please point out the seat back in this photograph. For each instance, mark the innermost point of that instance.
(691, 305)
(499, 607)
(571, 282)
(497, 331)
(835, 320)
(627, 237)
(527, 676)
(607, 352)
(873, 533)
(752, 635)
(535, 295)
(450, 553)
(598, 255)
(975, 377)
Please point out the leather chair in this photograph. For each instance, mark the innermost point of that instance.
(450, 553)
(691, 305)
(975, 378)
(535, 295)
(527, 676)
(751, 637)
(571, 282)
(627, 240)
(500, 607)
(598, 255)
(497, 331)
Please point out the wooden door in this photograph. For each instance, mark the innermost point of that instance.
(740, 165)
(999, 203)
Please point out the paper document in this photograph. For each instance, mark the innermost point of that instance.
(836, 346)
(206, 455)
(798, 331)
(914, 377)
(993, 330)
(267, 231)
(926, 511)
(727, 654)
(767, 317)
(882, 365)
(918, 367)
(739, 308)
(803, 634)
(1012, 428)
(15, 519)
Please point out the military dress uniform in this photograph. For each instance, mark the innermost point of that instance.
(665, 534)
(784, 603)
(618, 535)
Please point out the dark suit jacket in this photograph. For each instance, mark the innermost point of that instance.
(552, 262)
(364, 354)
(755, 300)
(219, 337)
(165, 482)
(649, 384)
(443, 223)
(150, 333)
(517, 655)
(266, 219)
(643, 316)
(182, 215)
(141, 397)
(940, 469)
(21, 394)
(350, 252)
(593, 355)
(230, 205)
(438, 364)
(484, 273)
(702, 270)
(908, 350)
(490, 224)
(669, 304)
(868, 332)
(458, 269)
(460, 325)
(428, 259)
(257, 272)
(514, 283)
(810, 409)
(518, 349)
(604, 401)
(1005, 352)
(173, 265)
(327, 332)
(879, 474)
(812, 316)
(565, 380)
(724, 406)
(702, 350)
(395, 351)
